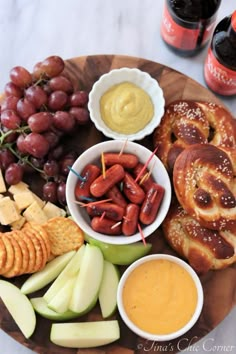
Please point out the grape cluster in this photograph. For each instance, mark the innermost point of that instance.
(38, 109)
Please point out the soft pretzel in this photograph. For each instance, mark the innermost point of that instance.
(187, 122)
(204, 183)
(204, 249)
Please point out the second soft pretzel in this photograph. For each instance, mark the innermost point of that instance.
(204, 184)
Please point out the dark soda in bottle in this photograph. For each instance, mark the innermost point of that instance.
(187, 25)
(220, 64)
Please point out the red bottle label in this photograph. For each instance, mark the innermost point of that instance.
(233, 21)
(219, 78)
(181, 37)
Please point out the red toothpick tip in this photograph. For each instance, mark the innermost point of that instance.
(103, 215)
(145, 165)
(123, 147)
(142, 235)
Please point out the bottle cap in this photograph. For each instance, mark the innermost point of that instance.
(233, 20)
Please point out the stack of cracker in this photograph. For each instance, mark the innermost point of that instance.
(29, 249)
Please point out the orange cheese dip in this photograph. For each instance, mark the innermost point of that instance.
(160, 296)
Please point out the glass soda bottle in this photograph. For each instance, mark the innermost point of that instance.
(220, 64)
(187, 25)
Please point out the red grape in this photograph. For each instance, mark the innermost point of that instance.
(38, 163)
(57, 100)
(50, 192)
(10, 102)
(12, 90)
(56, 153)
(10, 119)
(61, 193)
(68, 160)
(79, 99)
(20, 143)
(51, 168)
(36, 145)
(6, 158)
(81, 115)
(13, 174)
(11, 137)
(63, 121)
(46, 88)
(52, 66)
(36, 95)
(20, 76)
(52, 138)
(61, 83)
(25, 108)
(38, 71)
(40, 122)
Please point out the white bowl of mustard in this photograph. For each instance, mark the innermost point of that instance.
(160, 297)
(126, 104)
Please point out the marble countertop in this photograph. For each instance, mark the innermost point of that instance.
(32, 30)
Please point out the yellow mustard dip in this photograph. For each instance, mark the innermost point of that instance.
(126, 108)
(160, 296)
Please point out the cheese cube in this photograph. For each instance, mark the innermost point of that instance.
(3, 188)
(40, 202)
(1, 196)
(24, 199)
(17, 225)
(8, 211)
(35, 213)
(52, 210)
(18, 188)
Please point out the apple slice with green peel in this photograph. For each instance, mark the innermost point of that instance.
(71, 269)
(85, 334)
(60, 302)
(108, 290)
(52, 269)
(121, 254)
(41, 307)
(19, 307)
(88, 280)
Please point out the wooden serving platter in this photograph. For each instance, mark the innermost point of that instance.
(219, 286)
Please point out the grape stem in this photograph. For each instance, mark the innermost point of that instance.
(9, 146)
(9, 132)
(23, 159)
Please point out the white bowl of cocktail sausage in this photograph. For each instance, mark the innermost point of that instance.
(118, 192)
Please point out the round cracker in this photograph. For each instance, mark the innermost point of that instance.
(40, 259)
(43, 234)
(64, 235)
(32, 252)
(9, 254)
(24, 249)
(3, 253)
(18, 258)
(41, 240)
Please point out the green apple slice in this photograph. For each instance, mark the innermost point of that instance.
(52, 269)
(19, 307)
(60, 302)
(85, 334)
(108, 290)
(41, 307)
(121, 254)
(71, 269)
(88, 280)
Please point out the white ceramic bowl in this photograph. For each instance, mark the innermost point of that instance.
(151, 336)
(137, 77)
(93, 155)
